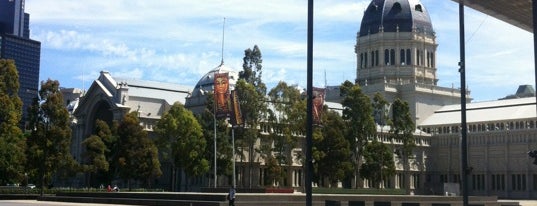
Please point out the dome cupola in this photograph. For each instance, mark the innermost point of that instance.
(395, 16)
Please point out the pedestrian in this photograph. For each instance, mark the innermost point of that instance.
(116, 188)
(109, 189)
(231, 196)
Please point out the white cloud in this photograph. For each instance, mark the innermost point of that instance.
(180, 40)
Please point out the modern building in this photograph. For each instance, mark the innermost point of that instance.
(15, 43)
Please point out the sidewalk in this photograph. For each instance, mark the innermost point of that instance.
(522, 202)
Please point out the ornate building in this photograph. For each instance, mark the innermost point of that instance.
(396, 56)
(110, 98)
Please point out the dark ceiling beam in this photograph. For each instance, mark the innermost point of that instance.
(517, 13)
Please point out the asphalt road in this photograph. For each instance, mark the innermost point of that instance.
(44, 203)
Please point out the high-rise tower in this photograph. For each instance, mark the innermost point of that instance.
(396, 56)
(15, 43)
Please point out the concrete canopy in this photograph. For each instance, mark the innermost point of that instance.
(517, 13)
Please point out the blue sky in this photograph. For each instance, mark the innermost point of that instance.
(180, 40)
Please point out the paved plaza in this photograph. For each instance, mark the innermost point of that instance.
(45, 203)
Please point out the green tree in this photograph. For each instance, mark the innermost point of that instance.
(381, 109)
(50, 140)
(251, 93)
(402, 129)
(252, 69)
(95, 155)
(358, 116)
(138, 155)
(253, 108)
(284, 121)
(378, 163)
(335, 162)
(223, 142)
(107, 134)
(181, 139)
(12, 142)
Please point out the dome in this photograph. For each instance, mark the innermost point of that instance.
(206, 82)
(395, 15)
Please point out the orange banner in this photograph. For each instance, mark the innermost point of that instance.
(318, 102)
(221, 94)
(236, 117)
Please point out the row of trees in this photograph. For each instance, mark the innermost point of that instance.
(36, 154)
(343, 145)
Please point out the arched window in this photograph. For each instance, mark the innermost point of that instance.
(402, 57)
(365, 59)
(418, 61)
(392, 57)
(386, 57)
(372, 58)
(432, 60)
(361, 60)
(408, 59)
(376, 57)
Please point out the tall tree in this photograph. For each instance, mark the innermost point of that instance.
(138, 155)
(253, 108)
(95, 155)
(378, 163)
(99, 162)
(252, 69)
(285, 121)
(381, 109)
(336, 162)
(12, 143)
(50, 140)
(358, 116)
(402, 129)
(181, 140)
(223, 154)
(251, 93)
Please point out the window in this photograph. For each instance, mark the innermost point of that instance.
(518, 182)
(478, 182)
(402, 57)
(376, 57)
(365, 59)
(392, 56)
(361, 60)
(372, 59)
(408, 59)
(535, 182)
(386, 57)
(432, 59)
(418, 8)
(443, 178)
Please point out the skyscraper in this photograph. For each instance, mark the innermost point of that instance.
(15, 43)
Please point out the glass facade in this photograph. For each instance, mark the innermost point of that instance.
(15, 43)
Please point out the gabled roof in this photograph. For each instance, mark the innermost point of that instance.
(169, 92)
(488, 111)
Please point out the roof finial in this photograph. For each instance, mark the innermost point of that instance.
(223, 32)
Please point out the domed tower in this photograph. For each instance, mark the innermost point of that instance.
(396, 56)
(197, 100)
(396, 44)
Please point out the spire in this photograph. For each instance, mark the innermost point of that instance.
(223, 32)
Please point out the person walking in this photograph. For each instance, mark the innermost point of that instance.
(231, 196)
